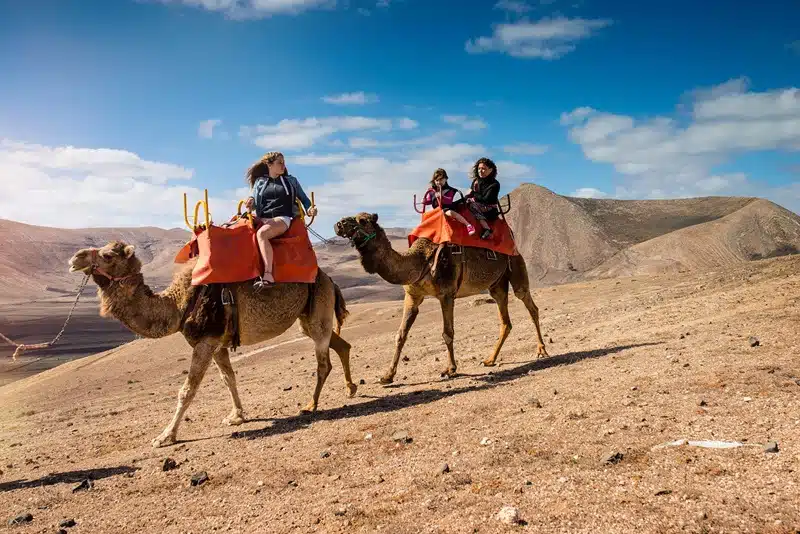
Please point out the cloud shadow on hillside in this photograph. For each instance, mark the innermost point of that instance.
(67, 478)
(400, 401)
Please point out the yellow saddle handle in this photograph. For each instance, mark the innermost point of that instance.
(204, 203)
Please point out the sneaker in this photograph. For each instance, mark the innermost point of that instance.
(470, 229)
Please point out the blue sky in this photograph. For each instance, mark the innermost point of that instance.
(111, 109)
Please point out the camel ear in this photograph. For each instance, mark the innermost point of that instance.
(128, 251)
(374, 217)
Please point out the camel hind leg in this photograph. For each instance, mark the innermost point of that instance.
(223, 361)
(201, 358)
(342, 348)
(499, 293)
(521, 285)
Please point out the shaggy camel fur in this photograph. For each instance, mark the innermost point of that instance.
(456, 275)
(123, 295)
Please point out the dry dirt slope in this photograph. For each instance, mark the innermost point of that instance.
(635, 362)
(567, 239)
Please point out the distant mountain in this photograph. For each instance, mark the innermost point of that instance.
(562, 238)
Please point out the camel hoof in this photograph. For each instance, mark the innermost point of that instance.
(309, 409)
(387, 380)
(448, 373)
(542, 352)
(351, 390)
(162, 441)
(234, 419)
(488, 363)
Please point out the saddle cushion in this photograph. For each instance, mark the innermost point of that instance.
(229, 253)
(437, 227)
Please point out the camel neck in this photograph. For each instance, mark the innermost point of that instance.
(137, 307)
(378, 257)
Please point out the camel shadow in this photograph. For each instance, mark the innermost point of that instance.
(67, 478)
(400, 401)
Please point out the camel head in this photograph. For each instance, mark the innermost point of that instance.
(114, 261)
(358, 229)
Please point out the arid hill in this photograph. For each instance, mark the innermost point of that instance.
(568, 239)
(563, 239)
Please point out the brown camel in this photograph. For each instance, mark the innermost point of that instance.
(458, 273)
(204, 320)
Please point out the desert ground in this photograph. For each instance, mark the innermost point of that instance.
(570, 441)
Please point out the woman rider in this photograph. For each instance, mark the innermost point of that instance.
(273, 194)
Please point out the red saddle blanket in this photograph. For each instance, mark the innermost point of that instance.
(229, 253)
(440, 229)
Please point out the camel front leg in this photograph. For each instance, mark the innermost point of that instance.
(500, 294)
(201, 358)
(321, 347)
(342, 348)
(223, 361)
(410, 311)
(448, 306)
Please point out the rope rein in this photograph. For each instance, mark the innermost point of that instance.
(21, 347)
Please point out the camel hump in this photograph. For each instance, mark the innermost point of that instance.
(438, 228)
(229, 254)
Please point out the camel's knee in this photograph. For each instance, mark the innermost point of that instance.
(324, 369)
(448, 338)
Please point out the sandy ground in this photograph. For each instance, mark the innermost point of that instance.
(635, 362)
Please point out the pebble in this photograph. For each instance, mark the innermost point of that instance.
(444, 468)
(772, 446)
(486, 441)
(613, 458)
(402, 437)
(20, 519)
(753, 341)
(533, 401)
(368, 436)
(83, 486)
(325, 454)
(508, 515)
(199, 478)
(67, 523)
(169, 464)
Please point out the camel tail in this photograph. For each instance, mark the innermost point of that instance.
(340, 308)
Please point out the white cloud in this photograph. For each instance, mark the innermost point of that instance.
(291, 134)
(368, 142)
(253, 9)
(588, 192)
(509, 169)
(320, 160)
(465, 122)
(794, 46)
(547, 38)
(528, 149)
(513, 6)
(667, 157)
(206, 128)
(360, 98)
(407, 124)
(71, 187)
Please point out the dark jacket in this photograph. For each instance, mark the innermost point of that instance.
(274, 197)
(486, 192)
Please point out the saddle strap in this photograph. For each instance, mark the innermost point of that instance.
(232, 325)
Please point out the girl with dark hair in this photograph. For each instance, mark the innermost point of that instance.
(482, 198)
(273, 194)
(440, 188)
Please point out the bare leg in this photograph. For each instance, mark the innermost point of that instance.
(448, 305)
(271, 228)
(410, 310)
(500, 295)
(342, 348)
(223, 361)
(457, 216)
(201, 358)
